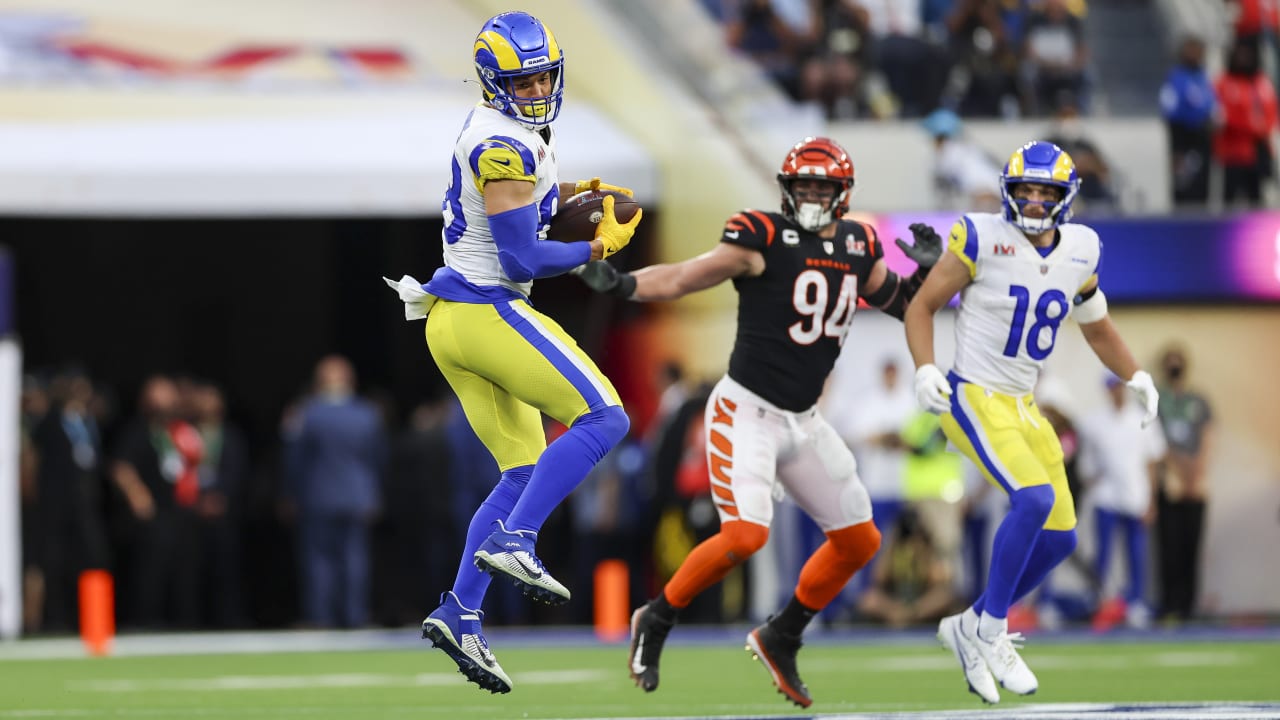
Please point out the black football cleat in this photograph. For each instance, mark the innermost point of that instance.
(777, 652)
(648, 633)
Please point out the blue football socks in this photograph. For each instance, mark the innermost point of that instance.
(471, 584)
(1014, 544)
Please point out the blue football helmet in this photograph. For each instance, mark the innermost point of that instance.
(513, 45)
(1045, 164)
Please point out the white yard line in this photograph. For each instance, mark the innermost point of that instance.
(238, 683)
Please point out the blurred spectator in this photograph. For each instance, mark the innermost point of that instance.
(778, 35)
(335, 464)
(912, 582)
(1249, 115)
(832, 73)
(34, 406)
(984, 76)
(916, 70)
(871, 423)
(155, 467)
(416, 542)
(686, 513)
(1118, 459)
(933, 484)
(1259, 20)
(69, 518)
(1067, 132)
(1188, 104)
(224, 480)
(1187, 419)
(673, 391)
(1054, 54)
(965, 177)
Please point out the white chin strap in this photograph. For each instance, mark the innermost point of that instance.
(812, 216)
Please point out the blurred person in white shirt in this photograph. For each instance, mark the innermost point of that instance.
(870, 420)
(1119, 459)
(964, 175)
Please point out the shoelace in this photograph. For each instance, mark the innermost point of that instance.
(1006, 645)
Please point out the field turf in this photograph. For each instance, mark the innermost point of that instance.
(584, 680)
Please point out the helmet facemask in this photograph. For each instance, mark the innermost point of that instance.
(816, 207)
(1056, 212)
(534, 111)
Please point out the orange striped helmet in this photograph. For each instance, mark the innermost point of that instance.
(822, 159)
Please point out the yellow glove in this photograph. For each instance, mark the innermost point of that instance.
(594, 184)
(613, 234)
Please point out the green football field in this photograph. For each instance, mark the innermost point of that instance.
(698, 680)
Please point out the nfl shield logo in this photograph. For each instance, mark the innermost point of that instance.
(828, 246)
(1044, 269)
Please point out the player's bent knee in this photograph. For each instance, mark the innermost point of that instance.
(856, 544)
(744, 538)
(614, 422)
(1036, 500)
(607, 426)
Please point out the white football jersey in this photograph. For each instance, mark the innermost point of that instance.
(1011, 313)
(493, 146)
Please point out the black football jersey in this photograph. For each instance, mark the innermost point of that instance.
(792, 319)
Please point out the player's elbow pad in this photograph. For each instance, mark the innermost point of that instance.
(523, 256)
(1091, 308)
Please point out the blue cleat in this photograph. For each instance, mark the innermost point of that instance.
(510, 555)
(456, 630)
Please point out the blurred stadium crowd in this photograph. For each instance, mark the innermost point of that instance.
(351, 518)
(942, 60)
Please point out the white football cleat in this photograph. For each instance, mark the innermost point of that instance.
(952, 636)
(1001, 656)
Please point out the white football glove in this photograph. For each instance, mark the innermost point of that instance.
(1145, 389)
(933, 392)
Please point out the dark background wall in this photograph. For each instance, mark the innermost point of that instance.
(250, 304)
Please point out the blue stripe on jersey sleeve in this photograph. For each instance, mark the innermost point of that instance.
(1097, 268)
(971, 240)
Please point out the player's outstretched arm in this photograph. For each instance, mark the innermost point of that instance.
(670, 281)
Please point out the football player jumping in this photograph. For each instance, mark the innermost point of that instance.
(799, 274)
(508, 363)
(1019, 275)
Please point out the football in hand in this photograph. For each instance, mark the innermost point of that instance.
(579, 215)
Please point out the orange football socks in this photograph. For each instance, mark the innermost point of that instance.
(713, 558)
(834, 563)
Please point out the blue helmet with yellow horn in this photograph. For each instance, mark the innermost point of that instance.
(1046, 164)
(514, 45)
